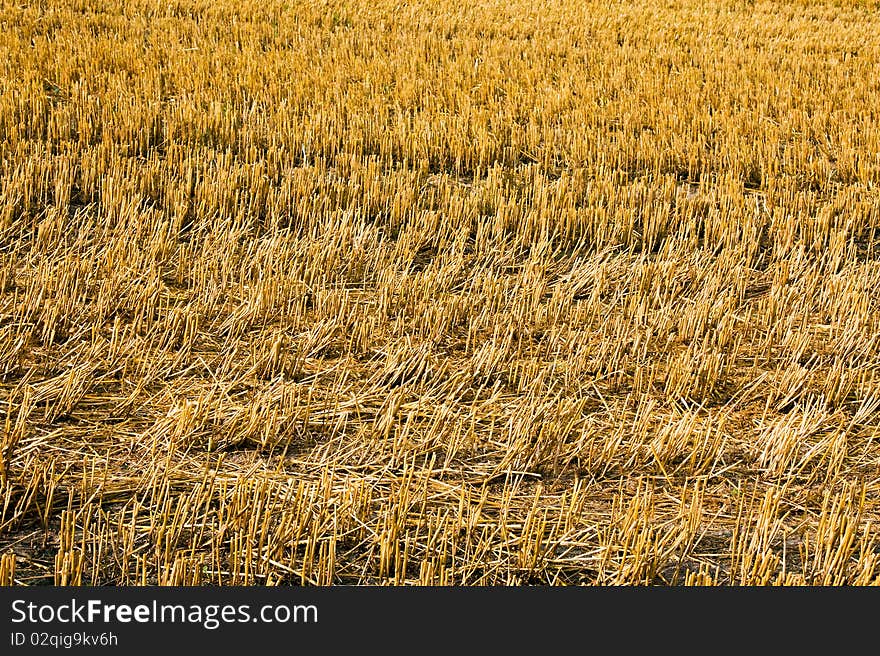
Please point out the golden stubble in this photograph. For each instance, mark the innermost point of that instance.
(513, 293)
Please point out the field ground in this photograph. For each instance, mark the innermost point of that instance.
(372, 292)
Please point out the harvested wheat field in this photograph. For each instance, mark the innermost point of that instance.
(382, 293)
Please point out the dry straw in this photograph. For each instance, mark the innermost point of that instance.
(504, 293)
